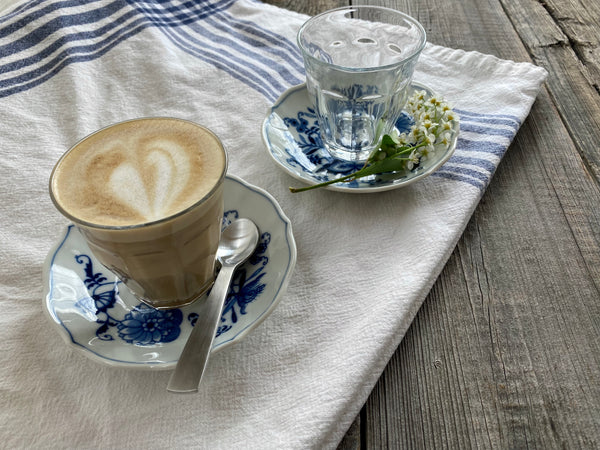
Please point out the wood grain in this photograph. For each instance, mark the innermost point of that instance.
(505, 351)
(564, 37)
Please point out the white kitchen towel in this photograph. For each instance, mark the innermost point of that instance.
(365, 262)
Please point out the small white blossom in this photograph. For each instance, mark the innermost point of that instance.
(426, 116)
(429, 125)
(443, 141)
(428, 138)
(396, 137)
(404, 139)
(450, 116)
(415, 132)
(419, 96)
(433, 100)
(445, 125)
(408, 138)
(432, 131)
(413, 159)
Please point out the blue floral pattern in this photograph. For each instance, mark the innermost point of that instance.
(144, 325)
(314, 158)
(246, 285)
(292, 136)
(310, 142)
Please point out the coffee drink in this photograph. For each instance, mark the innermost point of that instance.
(147, 195)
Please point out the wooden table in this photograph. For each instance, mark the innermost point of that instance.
(505, 352)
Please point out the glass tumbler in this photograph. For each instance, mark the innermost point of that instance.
(359, 63)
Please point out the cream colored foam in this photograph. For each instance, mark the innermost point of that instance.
(138, 171)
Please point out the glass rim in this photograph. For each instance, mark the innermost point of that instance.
(405, 16)
(98, 226)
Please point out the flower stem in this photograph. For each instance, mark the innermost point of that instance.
(398, 153)
(326, 183)
(391, 164)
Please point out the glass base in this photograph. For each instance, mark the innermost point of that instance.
(349, 155)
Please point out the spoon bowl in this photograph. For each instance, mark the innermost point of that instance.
(238, 242)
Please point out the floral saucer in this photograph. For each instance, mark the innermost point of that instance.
(97, 314)
(292, 137)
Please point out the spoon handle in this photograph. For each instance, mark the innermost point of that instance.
(192, 362)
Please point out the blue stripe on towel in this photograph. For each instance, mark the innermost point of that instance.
(489, 131)
(485, 120)
(443, 173)
(252, 49)
(54, 46)
(215, 57)
(179, 14)
(20, 9)
(260, 58)
(482, 146)
(494, 118)
(243, 57)
(483, 177)
(72, 55)
(280, 44)
(245, 62)
(465, 166)
(68, 56)
(67, 30)
(40, 34)
(248, 70)
(484, 164)
(229, 52)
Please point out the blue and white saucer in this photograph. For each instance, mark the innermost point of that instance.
(292, 137)
(93, 310)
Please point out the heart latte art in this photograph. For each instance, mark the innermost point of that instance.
(139, 172)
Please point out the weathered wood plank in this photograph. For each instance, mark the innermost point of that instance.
(572, 82)
(498, 370)
(580, 21)
(504, 354)
(352, 440)
(506, 349)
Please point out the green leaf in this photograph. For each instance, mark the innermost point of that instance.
(388, 157)
(383, 166)
(387, 143)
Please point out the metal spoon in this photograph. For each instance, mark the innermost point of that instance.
(238, 241)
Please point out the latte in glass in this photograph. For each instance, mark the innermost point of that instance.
(147, 195)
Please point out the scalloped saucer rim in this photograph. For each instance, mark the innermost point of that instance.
(280, 251)
(296, 164)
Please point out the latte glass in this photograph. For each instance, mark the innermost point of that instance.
(359, 63)
(147, 195)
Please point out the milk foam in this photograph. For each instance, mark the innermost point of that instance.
(138, 172)
(167, 170)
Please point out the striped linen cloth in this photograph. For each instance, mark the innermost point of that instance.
(365, 262)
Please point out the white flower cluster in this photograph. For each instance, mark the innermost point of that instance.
(432, 130)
